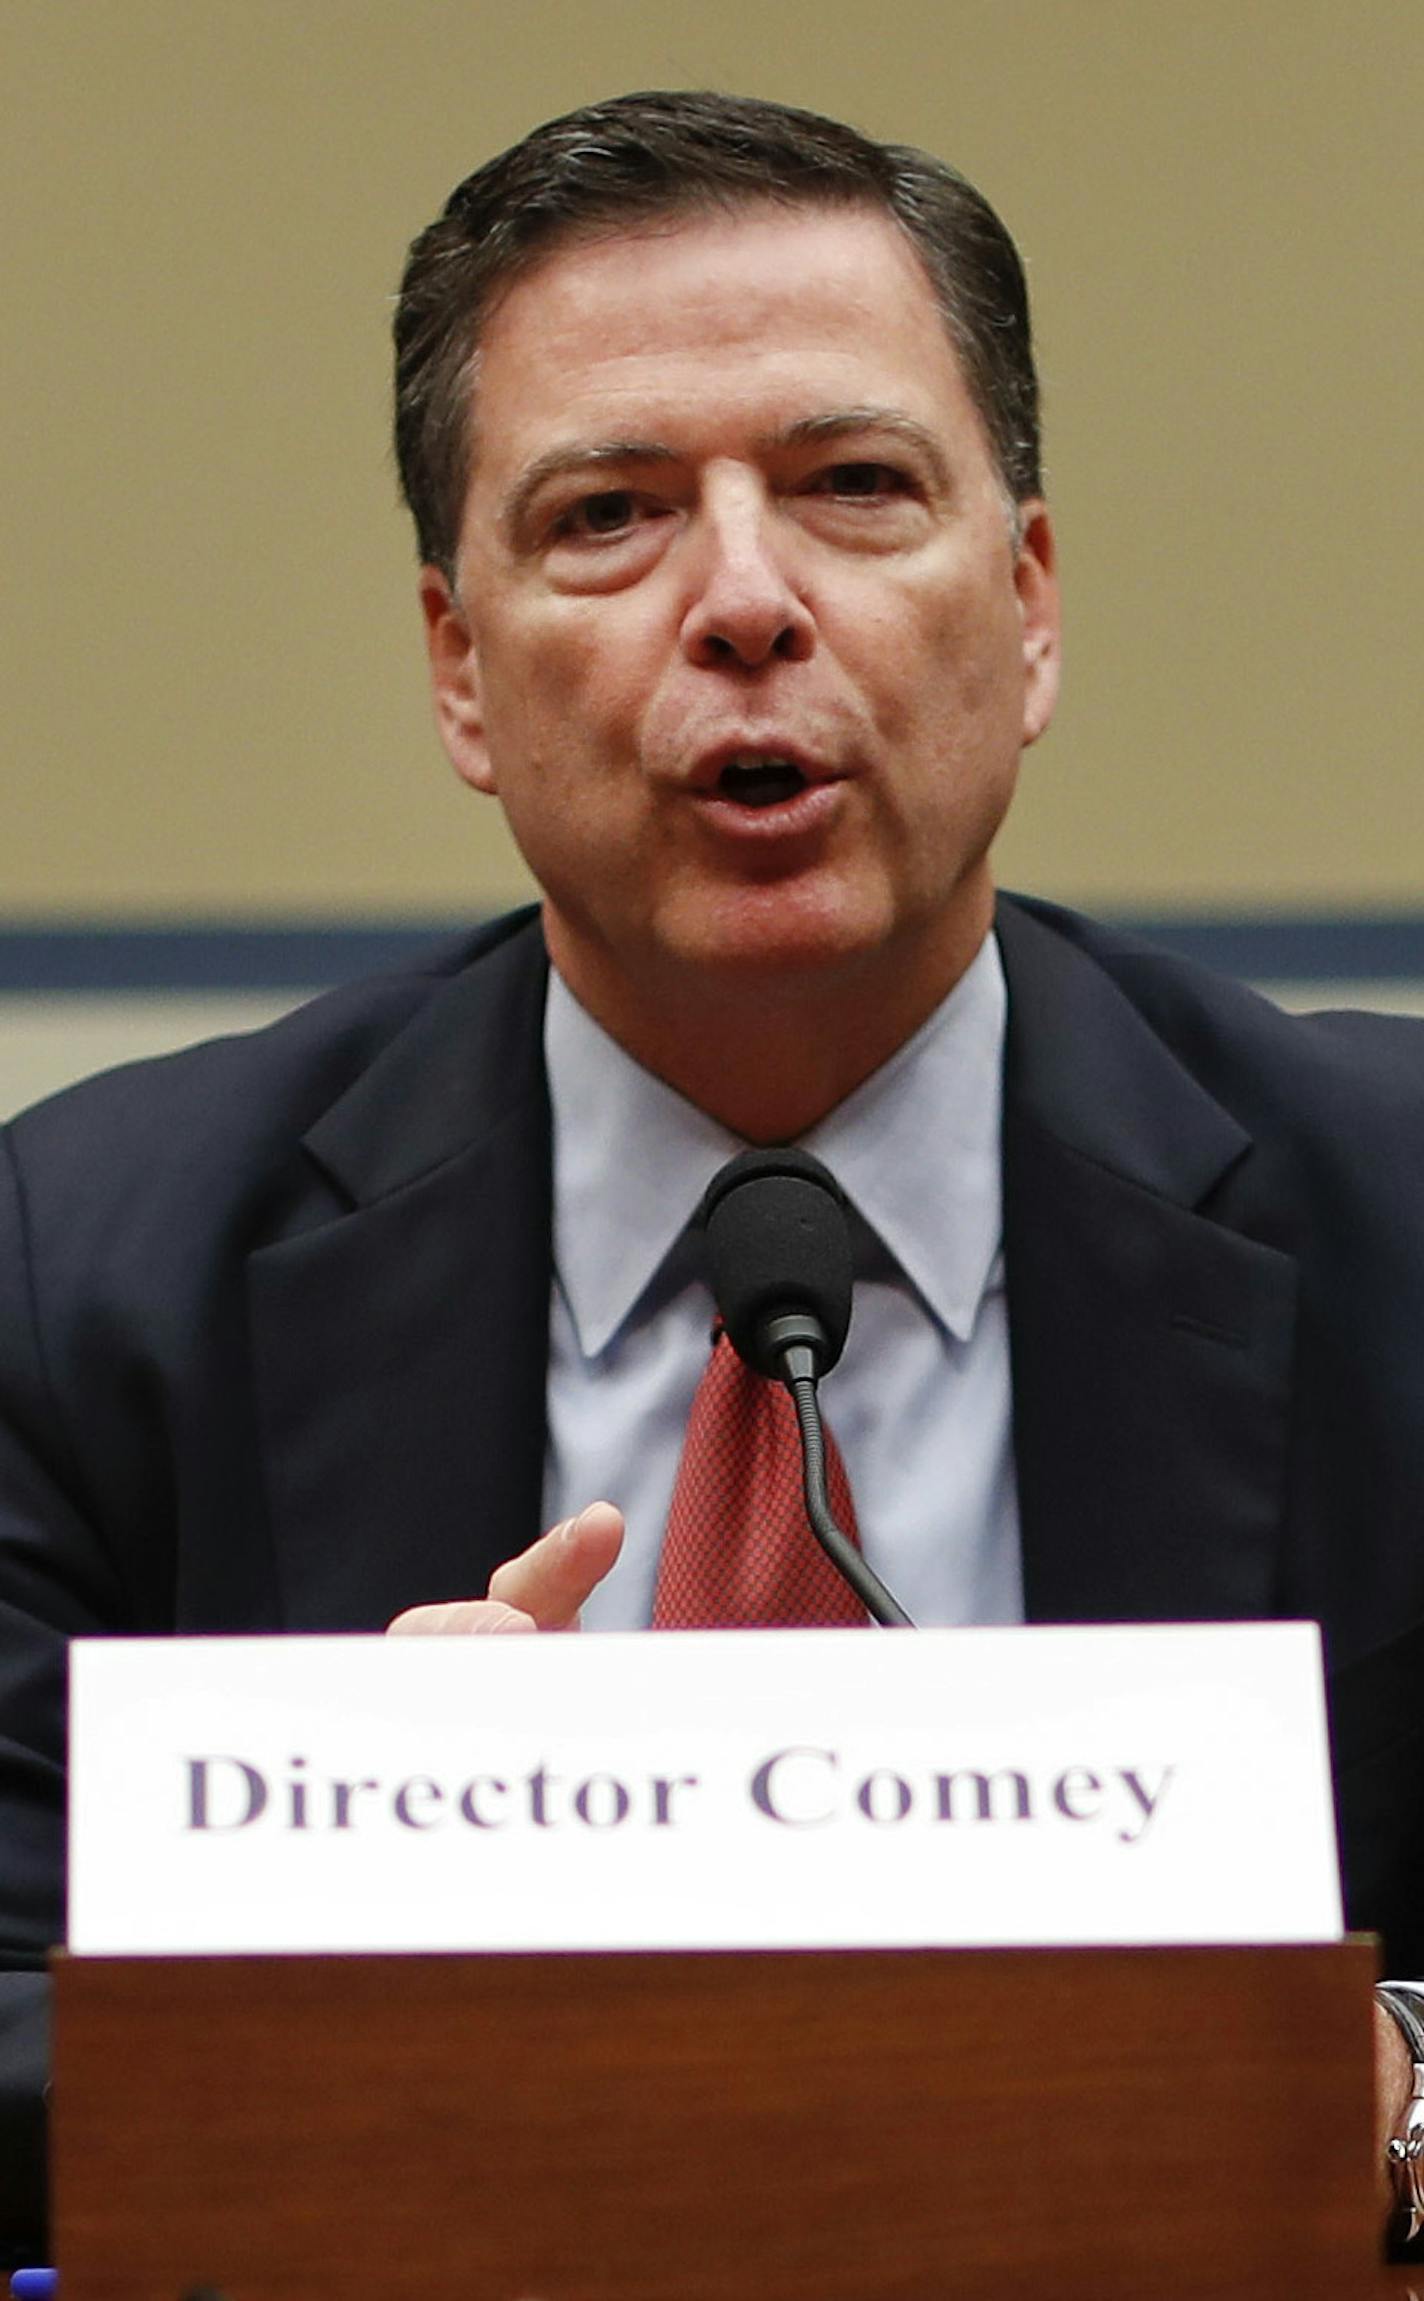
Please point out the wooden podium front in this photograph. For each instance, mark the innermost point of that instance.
(1115, 2125)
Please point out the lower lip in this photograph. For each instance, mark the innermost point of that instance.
(808, 810)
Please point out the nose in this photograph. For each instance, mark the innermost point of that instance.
(744, 609)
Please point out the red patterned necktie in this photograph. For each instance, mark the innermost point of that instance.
(738, 1552)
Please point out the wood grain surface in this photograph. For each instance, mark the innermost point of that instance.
(848, 2126)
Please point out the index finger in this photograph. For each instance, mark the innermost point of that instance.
(552, 1578)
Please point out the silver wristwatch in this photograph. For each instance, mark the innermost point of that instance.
(1405, 2148)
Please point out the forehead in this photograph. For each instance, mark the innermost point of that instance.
(774, 311)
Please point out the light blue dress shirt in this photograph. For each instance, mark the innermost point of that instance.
(921, 1401)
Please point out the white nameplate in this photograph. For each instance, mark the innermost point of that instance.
(701, 1790)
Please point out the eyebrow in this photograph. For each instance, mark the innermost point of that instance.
(584, 455)
(807, 431)
(842, 423)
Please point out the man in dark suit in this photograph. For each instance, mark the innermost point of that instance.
(719, 427)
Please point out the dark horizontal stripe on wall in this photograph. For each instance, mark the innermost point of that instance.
(218, 957)
(97, 957)
(1290, 948)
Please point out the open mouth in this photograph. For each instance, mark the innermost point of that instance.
(760, 782)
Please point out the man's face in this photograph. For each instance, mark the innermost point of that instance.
(742, 638)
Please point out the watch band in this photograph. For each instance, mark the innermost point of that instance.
(1405, 2147)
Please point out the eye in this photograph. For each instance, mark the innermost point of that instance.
(860, 482)
(596, 539)
(597, 518)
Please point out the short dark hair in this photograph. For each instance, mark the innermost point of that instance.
(613, 166)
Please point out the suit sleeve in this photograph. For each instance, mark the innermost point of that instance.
(56, 1582)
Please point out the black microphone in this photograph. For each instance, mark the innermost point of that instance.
(778, 1250)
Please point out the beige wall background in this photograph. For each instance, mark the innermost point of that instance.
(208, 643)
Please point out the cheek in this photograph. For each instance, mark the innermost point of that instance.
(569, 683)
(943, 674)
(978, 645)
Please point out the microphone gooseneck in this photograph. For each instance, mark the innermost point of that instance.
(779, 1256)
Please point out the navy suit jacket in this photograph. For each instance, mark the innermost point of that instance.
(273, 1327)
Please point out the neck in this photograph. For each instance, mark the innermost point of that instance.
(768, 1059)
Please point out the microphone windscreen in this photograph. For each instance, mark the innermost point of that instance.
(778, 1240)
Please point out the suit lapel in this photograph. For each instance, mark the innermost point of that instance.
(400, 1333)
(1150, 1344)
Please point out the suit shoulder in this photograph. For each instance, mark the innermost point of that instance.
(1261, 1060)
(234, 1104)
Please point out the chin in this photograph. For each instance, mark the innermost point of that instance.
(788, 945)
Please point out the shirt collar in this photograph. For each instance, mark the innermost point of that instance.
(915, 1148)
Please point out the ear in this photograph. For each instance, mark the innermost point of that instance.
(1036, 582)
(455, 681)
